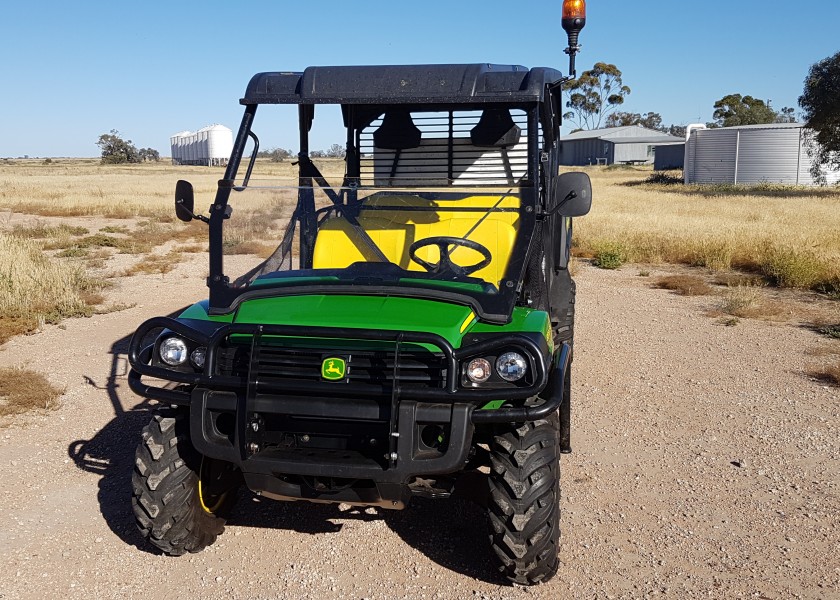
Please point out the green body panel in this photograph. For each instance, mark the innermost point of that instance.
(199, 311)
(374, 312)
(522, 320)
(358, 312)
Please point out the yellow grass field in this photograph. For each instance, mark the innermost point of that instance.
(53, 268)
(789, 236)
(74, 187)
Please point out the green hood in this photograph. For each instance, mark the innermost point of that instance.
(359, 312)
(450, 321)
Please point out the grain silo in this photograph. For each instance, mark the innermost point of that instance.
(750, 154)
(209, 146)
(219, 144)
(177, 144)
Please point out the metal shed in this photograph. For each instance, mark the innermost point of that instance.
(772, 153)
(669, 156)
(614, 145)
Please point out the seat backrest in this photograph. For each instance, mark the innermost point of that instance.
(394, 231)
(495, 129)
(397, 132)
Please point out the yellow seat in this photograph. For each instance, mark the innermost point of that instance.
(393, 231)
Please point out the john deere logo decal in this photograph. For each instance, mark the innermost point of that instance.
(333, 369)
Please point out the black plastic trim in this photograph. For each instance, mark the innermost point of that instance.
(402, 84)
(532, 413)
(212, 334)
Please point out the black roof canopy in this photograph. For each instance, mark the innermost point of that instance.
(402, 84)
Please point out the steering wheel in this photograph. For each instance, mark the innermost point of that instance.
(445, 264)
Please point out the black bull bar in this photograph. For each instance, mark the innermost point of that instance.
(548, 379)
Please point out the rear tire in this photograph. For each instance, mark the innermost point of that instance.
(524, 506)
(172, 508)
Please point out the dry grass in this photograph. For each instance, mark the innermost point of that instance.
(84, 187)
(155, 263)
(138, 240)
(734, 279)
(117, 307)
(80, 187)
(12, 326)
(829, 374)
(787, 235)
(42, 231)
(686, 285)
(123, 245)
(574, 266)
(254, 247)
(22, 390)
(192, 248)
(748, 302)
(825, 350)
(115, 229)
(35, 289)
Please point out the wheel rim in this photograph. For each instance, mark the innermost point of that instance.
(213, 485)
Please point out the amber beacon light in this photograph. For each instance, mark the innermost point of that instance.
(574, 19)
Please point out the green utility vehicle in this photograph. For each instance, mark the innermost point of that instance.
(414, 324)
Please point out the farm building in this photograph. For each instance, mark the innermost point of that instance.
(669, 156)
(615, 145)
(772, 153)
(209, 146)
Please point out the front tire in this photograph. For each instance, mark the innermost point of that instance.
(524, 505)
(180, 498)
(563, 308)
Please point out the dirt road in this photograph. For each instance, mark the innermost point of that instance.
(705, 465)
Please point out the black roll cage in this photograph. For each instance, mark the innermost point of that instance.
(538, 95)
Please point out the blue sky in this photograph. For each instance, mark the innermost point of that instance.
(73, 70)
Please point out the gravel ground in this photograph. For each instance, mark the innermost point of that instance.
(705, 465)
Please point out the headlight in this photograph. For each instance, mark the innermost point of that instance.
(198, 355)
(479, 371)
(511, 366)
(173, 351)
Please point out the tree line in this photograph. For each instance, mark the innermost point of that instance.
(116, 150)
(282, 155)
(595, 97)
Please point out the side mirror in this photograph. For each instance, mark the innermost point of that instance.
(572, 195)
(184, 201)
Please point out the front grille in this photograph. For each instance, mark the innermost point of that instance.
(417, 368)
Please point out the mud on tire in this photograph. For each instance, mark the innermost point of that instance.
(524, 506)
(167, 503)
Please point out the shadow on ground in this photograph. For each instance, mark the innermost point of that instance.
(110, 452)
(452, 533)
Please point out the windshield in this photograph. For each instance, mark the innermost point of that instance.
(464, 236)
(411, 200)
